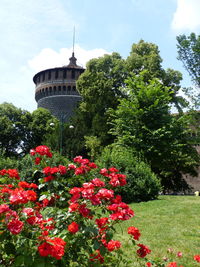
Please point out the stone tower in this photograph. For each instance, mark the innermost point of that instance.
(55, 89)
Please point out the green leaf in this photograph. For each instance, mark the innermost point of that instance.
(19, 260)
(96, 245)
(9, 248)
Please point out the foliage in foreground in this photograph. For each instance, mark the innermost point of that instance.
(50, 223)
(72, 227)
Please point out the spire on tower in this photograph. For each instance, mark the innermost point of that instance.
(72, 60)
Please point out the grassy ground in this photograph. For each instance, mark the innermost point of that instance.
(169, 222)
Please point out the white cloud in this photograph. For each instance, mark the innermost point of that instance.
(187, 15)
(49, 58)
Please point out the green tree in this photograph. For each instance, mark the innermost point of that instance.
(146, 56)
(99, 87)
(21, 130)
(14, 134)
(40, 127)
(143, 121)
(189, 53)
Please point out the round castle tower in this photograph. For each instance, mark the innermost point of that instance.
(55, 89)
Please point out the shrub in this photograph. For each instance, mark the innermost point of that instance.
(142, 183)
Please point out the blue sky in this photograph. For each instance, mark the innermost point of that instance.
(36, 35)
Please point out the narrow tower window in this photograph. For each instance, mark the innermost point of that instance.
(64, 74)
(56, 74)
(49, 75)
(73, 74)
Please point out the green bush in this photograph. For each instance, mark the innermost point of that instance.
(142, 183)
(6, 162)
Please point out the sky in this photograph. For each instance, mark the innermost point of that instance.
(37, 35)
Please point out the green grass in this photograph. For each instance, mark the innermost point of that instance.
(169, 222)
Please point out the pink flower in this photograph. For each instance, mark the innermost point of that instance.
(179, 254)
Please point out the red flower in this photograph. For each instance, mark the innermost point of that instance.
(53, 247)
(15, 226)
(13, 173)
(197, 258)
(85, 212)
(143, 250)
(32, 152)
(28, 211)
(32, 220)
(101, 222)
(97, 257)
(23, 184)
(71, 167)
(78, 159)
(73, 227)
(62, 169)
(172, 264)
(105, 194)
(49, 178)
(113, 169)
(92, 165)
(104, 172)
(43, 150)
(4, 208)
(134, 232)
(45, 249)
(73, 207)
(79, 170)
(97, 182)
(148, 264)
(37, 160)
(122, 211)
(113, 245)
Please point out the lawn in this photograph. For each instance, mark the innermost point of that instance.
(169, 222)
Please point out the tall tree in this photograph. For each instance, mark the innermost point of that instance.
(146, 56)
(143, 121)
(189, 53)
(99, 87)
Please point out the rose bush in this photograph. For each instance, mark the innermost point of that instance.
(51, 223)
(48, 223)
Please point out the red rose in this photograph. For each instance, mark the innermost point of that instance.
(143, 250)
(197, 258)
(113, 245)
(134, 232)
(73, 227)
(15, 226)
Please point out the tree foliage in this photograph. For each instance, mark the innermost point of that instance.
(99, 87)
(143, 121)
(189, 54)
(20, 130)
